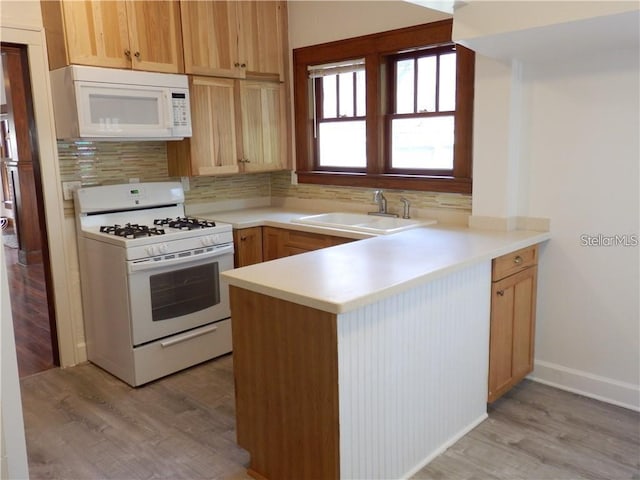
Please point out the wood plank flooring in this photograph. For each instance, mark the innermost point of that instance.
(28, 294)
(82, 423)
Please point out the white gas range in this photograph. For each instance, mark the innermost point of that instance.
(153, 299)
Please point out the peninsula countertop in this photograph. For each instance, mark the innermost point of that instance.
(344, 277)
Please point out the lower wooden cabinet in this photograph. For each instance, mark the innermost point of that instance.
(248, 246)
(282, 242)
(261, 244)
(513, 306)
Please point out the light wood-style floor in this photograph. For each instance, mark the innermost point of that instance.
(82, 423)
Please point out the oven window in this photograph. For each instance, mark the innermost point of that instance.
(181, 292)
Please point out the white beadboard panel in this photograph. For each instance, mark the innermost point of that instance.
(412, 372)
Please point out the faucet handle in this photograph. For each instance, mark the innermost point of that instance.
(406, 204)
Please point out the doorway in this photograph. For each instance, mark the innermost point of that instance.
(24, 232)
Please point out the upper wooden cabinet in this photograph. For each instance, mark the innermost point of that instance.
(238, 127)
(212, 148)
(239, 39)
(262, 108)
(118, 34)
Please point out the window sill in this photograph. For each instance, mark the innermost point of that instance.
(388, 181)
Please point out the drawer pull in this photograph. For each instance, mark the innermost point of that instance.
(517, 260)
(500, 293)
(243, 238)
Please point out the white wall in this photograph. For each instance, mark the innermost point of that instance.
(313, 22)
(584, 173)
(556, 135)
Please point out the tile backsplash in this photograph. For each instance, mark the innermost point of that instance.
(102, 163)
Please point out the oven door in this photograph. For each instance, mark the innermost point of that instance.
(173, 295)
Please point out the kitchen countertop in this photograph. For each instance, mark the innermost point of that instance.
(277, 217)
(342, 278)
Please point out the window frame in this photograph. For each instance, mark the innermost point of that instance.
(391, 98)
(376, 49)
(319, 99)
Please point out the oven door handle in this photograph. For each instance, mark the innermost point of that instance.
(150, 264)
(188, 336)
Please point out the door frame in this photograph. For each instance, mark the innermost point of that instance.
(63, 262)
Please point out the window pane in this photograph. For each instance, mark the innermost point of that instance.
(346, 94)
(361, 89)
(343, 144)
(404, 86)
(329, 96)
(422, 143)
(447, 82)
(427, 84)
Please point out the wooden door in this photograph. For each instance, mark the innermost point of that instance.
(263, 126)
(155, 36)
(261, 35)
(513, 301)
(248, 243)
(97, 33)
(210, 36)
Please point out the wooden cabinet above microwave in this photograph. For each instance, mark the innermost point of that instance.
(137, 35)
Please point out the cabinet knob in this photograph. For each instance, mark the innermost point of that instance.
(137, 55)
(500, 293)
(517, 260)
(242, 239)
(127, 53)
(243, 65)
(237, 64)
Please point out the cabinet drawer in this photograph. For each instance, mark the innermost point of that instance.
(305, 240)
(514, 262)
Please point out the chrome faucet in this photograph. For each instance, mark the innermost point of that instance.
(405, 207)
(380, 199)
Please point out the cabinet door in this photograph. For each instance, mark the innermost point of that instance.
(97, 33)
(155, 36)
(513, 304)
(272, 247)
(210, 36)
(261, 46)
(213, 146)
(248, 245)
(263, 126)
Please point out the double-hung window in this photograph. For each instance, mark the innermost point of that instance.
(422, 98)
(339, 111)
(389, 110)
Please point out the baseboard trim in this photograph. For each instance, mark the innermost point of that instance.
(440, 450)
(587, 384)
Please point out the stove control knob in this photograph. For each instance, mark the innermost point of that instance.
(151, 251)
(163, 248)
(209, 240)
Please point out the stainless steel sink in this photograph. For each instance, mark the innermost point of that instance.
(361, 222)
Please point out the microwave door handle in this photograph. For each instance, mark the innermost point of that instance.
(169, 116)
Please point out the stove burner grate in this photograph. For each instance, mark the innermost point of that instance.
(184, 223)
(131, 230)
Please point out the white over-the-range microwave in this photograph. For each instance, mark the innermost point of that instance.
(109, 104)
